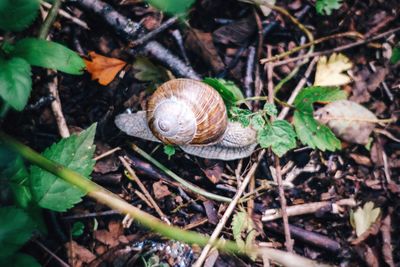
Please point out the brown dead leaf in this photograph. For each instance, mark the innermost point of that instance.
(362, 160)
(160, 190)
(106, 238)
(78, 253)
(348, 120)
(115, 228)
(387, 248)
(202, 44)
(104, 69)
(236, 33)
(214, 173)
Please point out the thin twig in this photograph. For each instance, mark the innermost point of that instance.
(56, 106)
(337, 49)
(134, 177)
(298, 88)
(67, 16)
(151, 35)
(58, 259)
(107, 153)
(183, 182)
(228, 212)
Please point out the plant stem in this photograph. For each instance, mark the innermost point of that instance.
(179, 179)
(51, 16)
(112, 200)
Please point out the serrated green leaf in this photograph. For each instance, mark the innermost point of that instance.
(19, 260)
(240, 115)
(363, 218)
(49, 55)
(305, 99)
(17, 15)
(395, 55)
(74, 152)
(175, 7)
(270, 109)
(15, 82)
(239, 225)
(16, 228)
(280, 136)
(327, 6)
(258, 122)
(229, 92)
(169, 150)
(149, 72)
(313, 134)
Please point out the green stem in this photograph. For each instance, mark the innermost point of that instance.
(51, 16)
(112, 200)
(179, 179)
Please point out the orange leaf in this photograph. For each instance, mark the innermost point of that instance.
(103, 68)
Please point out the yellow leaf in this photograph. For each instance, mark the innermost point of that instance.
(364, 217)
(104, 69)
(330, 72)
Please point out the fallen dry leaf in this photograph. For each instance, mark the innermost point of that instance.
(364, 217)
(348, 120)
(106, 238)
(214, 173)
(160, 190)
(104, 69)
(78, 253)
(236, 33)
(330, 71)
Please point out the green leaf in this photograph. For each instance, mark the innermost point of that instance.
(280, 136)
(363, 218)
(50, 55)
(149, 72)
(243, 226)
(327, 6)
(258, 122)
(172, 6)
(395, 55)
(18, 260)
(15, 82)
(74, 152)
(310, 95)
(240, 115)
(270, 109)
(16, 228)
(313, 134)
(229, 92)
(77, 229)
(17, 15)
(169, 150)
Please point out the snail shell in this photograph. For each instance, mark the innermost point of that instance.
(185, 111)
(190, 114)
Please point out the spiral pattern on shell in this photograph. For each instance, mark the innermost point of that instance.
(184, 111)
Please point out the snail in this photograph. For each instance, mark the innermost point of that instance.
(193, 116)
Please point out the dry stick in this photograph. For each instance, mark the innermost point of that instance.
(228, 212)
(58, 259)
(105, 154)
(273, 214)
(317, 41)
(56, 104)
(282, 198)
(298, 88)
(67, 16)
(337, 49)
(130, 30)
(151, 35)
(144, 190)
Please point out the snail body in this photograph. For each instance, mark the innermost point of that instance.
(192, 115)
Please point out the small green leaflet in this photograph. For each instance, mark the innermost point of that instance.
(18, 260)
(327, 6)
(169, 150)
(229, 92)
(15, 82)
(74, 152)
(17, 15)
(149, 72)
(77, 229)
(240, 115)
(309, 95)
(50, 55)
(258, 122)
(280, 136)
(243, 226)
(308, 130)
(314, 134)
(16, 228)
(175, 7)
(270, 109)
(395, 55)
